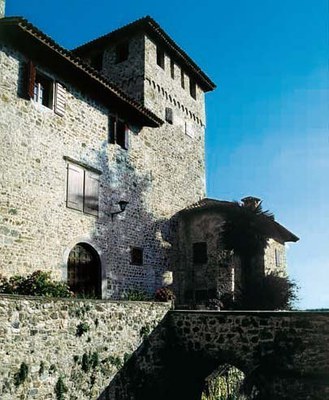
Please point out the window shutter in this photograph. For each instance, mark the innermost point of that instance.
(91, 193)
(75, 178)
(112, 130)
(59, 99)
(31, 75)
(126, 138)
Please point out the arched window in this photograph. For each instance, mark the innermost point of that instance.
(84, 271)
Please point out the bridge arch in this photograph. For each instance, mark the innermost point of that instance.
(275, 350)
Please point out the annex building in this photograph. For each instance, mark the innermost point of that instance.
(101, 148)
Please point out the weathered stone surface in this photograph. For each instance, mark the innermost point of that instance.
(161, 173)
(86, 344)
(288, 360)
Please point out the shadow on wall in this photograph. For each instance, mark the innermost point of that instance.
(161, 369)
(115, 237)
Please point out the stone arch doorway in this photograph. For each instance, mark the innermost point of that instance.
(84, 271)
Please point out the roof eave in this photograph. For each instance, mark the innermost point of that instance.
(17, 31)
(150, 26)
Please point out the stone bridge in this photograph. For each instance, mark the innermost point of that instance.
(284, 354)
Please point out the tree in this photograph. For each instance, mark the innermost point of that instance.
(245, 233)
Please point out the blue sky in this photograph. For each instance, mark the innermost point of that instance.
(267, 121)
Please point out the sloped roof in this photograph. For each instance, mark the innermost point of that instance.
(150, 26)
(274, 229)
(33, 42)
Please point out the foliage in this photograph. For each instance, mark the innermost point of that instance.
(21, 375)
(246, 233)
(42, 368)
(89, 361)
(164, 294)
(114, 360)
(136, 295)
(225, 385)
(245, 230)
(38, 283)
(145, 331)
(82, 328)
(272, 292)
(60, 389)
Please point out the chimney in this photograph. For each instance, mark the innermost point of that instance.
(251, 202)
(2, 8)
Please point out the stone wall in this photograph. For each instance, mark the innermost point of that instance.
(83, 342)
(2, 8)
(221, 273)
(275, 258)
(161, 173)
(285, 355)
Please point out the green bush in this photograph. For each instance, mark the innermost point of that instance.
(137, 295)
(21, 375)
(38, 283)
(272, 292)
(60, 389)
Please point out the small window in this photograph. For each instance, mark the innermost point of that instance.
(96, 61)
(169, 115)
(200, 253)
(160, 58)
(82, 189)
(122, 52)
(278, 258)
(182, 79)
(43, 90)
(172, 69)
(118, 132)
(192, 88)
(136, 256)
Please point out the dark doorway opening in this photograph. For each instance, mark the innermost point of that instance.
(84, 271)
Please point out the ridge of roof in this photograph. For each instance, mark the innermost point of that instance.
(208, 203)
(148, 22)
(29, 28)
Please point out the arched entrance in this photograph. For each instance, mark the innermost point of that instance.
(84, 271)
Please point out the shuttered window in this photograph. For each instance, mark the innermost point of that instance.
(44, 90)
(82, 189)
(59, 99)
(75, 184)
(118, 132)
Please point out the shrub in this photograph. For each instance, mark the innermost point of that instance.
(272, 292)
(137, 295)
(164, 294)
(82, 328)
(60, 389)
(21, 375)
(38, 283)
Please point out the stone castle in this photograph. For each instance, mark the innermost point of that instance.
(102, 158)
